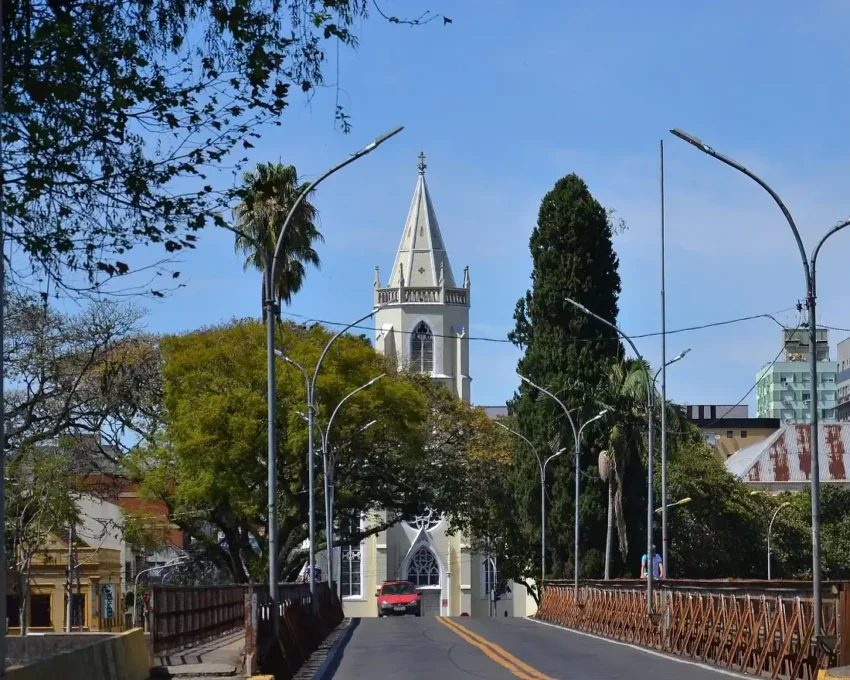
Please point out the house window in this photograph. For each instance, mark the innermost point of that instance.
(40, 611)
(351, 571)
(743, 434)
(729, 434)
(423, 569)
(491, 574)
(422, 349)
(13, 610)
(351, 562)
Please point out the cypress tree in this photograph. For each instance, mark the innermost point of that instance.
(568, 353)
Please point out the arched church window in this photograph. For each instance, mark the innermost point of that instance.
(423, 569)
(422, 349)
(491, 574)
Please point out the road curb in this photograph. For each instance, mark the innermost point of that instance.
(334, 656)
(843, 672)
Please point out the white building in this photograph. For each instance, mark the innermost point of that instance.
(423, 321)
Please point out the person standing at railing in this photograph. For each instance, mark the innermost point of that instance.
(657, 565)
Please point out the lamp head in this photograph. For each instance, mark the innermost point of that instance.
(681, 355)
(383, 138)
(694, 141)
(578, 305)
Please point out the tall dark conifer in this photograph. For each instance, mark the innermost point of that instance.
(568, 353)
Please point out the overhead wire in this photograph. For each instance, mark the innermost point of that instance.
(714, 324)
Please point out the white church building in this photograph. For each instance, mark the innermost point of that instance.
(422, 319)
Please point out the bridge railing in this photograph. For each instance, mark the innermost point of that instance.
(760, 628)
(182, 617)
(300, 632)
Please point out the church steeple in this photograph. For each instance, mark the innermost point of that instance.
(421, 254)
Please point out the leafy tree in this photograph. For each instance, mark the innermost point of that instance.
(564, 350)
(40, 499)
(93, 373)
(119, 115)
(268, 195)
(209, 467)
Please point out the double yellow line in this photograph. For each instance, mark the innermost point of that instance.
(500, 656)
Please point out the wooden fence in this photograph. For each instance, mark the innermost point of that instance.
(760, 628)
(182, 617)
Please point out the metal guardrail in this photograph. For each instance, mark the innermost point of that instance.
(182, 617)
(760, 628)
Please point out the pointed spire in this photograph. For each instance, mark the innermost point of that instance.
(377, 277)
(421, 249)
(466, 277)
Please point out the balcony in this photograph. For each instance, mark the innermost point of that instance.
(435, 295)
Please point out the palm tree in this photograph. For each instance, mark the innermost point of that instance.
(606, 470)
(268, 194)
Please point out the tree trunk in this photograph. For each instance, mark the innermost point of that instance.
(609, 535)
(23, 609)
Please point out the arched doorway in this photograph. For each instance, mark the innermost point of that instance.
(423, 570)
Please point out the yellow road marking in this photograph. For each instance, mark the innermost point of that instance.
(495, 652)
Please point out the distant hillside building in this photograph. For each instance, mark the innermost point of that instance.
(784, 388)
(843, 406)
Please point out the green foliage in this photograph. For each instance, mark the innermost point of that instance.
(565, 351)
(268, 195)
(120, 114)
(210, 467)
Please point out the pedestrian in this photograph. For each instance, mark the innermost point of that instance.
(657, 566)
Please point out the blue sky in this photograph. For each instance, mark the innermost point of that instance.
(507, 99)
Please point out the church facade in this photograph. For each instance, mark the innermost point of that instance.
(422, 320)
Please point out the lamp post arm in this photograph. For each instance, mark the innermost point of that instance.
(346, 398)
(558, 401)
(334, 339)
(526, 440)
(278, 251)
(706, 149)
(838, 227)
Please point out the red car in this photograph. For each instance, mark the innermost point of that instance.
(398, 598)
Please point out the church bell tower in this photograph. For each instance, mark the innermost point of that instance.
(422, 314)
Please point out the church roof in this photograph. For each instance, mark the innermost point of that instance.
(421, 259)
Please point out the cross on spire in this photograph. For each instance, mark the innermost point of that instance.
(422, 165)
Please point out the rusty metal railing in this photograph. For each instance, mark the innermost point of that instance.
(183, 617)
(760, 628)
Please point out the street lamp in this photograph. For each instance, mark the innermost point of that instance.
(577, 441)
(311, 409)
(328, 471)
(542, 465)
(650, 466)
(663, 371)
(171, 563)
(683, 501)
(810, 272)
(769, 529)
(271, 306)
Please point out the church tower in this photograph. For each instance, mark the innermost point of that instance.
(422, 314)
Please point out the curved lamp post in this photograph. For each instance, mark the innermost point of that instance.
(809, 270)
(577, 441)
(651, 441)
(663, 370)
(542, 464)
(270, 307)
(769, 529)
(171, 563)
(311, 411)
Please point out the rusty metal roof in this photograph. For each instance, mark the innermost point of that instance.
(786, 456)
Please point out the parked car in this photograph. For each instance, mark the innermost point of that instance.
(397, 598)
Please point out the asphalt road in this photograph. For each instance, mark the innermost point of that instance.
(497, 649)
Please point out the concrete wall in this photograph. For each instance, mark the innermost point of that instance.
(122, 656)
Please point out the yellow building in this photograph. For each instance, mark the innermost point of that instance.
(97, 598)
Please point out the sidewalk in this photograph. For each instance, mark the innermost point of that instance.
(217, 658)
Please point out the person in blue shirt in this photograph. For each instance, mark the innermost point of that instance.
(657, 566)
